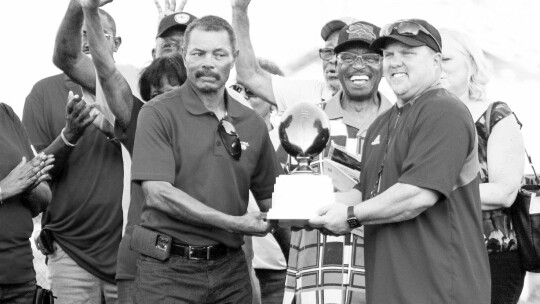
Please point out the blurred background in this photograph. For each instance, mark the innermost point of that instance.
(288, 32)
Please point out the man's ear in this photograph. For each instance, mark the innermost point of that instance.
(117, 43)
(437, 59)
(153, 53)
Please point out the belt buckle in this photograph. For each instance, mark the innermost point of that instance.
(192, 251)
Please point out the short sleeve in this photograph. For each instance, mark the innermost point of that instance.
(289, 92)
(20, 130)
(34, 119)
(153, 157)
(441, 141)
(266, 171)
(499, 111)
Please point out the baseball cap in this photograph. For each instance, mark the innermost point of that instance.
(180, 20)
(358, 32)
(412, 32)
(335, 25)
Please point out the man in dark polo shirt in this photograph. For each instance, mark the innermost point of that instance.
(85, 214)
(419, 184)
(197, 154)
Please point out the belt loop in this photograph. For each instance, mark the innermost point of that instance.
(208, 252)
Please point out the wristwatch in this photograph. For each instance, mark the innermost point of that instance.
(351, 219)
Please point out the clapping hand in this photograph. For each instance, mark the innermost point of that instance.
(169, 7)
(78, 117)
(27, 175)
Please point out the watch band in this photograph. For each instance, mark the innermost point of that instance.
(351, 218)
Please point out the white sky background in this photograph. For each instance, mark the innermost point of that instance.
(285, 30)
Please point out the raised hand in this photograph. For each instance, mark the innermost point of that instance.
(78, 117)
(240, 3)
(169, 7)
(93, 3)
(26, 175)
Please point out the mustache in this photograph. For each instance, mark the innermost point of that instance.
(206, 73)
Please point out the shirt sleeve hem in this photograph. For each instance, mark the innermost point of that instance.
(151, 177)
(425, 184)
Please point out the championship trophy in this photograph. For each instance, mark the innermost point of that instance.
(304, 132)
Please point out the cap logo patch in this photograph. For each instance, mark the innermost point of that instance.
(361, 31)
(181, 18)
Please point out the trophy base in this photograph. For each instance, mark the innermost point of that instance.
(298, 198)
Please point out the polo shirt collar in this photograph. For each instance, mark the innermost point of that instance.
(334, 110)
(195, 106)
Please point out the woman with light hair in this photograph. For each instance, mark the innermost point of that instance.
(500, 153)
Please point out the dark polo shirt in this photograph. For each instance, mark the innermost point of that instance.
(438, 256)
(177, 141)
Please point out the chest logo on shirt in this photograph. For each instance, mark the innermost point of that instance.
(376, 141)
(244, 145)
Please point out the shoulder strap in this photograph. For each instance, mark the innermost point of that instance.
(488, 119)
(536, 177)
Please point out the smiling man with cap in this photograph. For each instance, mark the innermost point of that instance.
(351, 111)
(418, 196)
(282, 91)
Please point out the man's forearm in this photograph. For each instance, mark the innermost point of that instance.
(175, 202)
(399, 203)
(248, 71)
(67, 49)
(61, 153)
(38, 198)
(115, 88)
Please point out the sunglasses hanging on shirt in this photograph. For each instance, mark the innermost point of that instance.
(230, 138)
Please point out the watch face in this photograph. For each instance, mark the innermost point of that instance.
(353, 222)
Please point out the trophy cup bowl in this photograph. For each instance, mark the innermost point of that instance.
(304, 132)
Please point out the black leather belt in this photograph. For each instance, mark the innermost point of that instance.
(201, 252)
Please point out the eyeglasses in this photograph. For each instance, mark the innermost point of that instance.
(244, 91)
(230, 138)
(407, 28)
(351, 58)
(326, 54)
(108, 36)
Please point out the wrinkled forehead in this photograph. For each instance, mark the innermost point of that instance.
(208, 40)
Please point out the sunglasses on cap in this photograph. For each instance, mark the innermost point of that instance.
(230, 138)
(407, 28)
(326, 54)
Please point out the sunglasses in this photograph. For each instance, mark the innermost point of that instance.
(407, 28)
(230, 138)
(326, 54)
(351, 58)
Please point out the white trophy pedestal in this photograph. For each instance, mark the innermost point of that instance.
(298, 198)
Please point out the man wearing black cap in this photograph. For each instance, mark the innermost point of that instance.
(419, 184)
(351, 111)
(277, 90)
(170, 35)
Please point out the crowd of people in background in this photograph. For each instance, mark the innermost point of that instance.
(185, 222)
